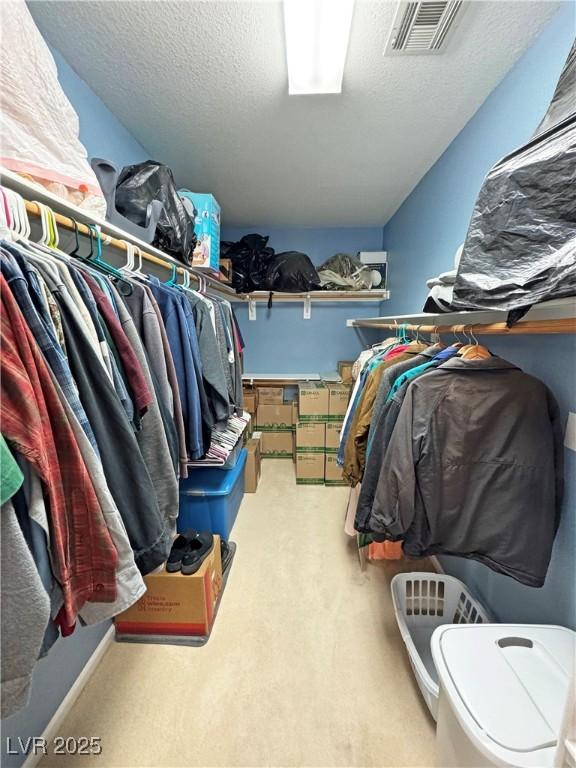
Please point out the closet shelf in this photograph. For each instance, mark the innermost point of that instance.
(328, 296)
(558, 316)
(66, 214)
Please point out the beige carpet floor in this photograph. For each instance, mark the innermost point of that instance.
(305, 665)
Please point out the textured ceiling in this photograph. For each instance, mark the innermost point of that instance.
(203, 86)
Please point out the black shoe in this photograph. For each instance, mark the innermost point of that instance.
(179, 548)
(225, 554)
(196, 552)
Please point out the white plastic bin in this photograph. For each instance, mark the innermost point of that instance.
(422, 602)
(504, 692)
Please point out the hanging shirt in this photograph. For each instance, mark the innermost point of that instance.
(83, 555)
(214, 379)
(136, 381)
(45, 339)
(355, 451)
(152, 437)
(130, 585)
(178, 335)
(173, 380)
(441, 357)
(11, 477)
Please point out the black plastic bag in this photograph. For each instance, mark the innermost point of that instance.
(250, 258)
(521, 244)
(137, 186)
(291, 272)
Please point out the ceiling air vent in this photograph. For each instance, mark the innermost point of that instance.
(424, 26)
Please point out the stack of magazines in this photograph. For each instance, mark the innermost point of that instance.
(223, 442)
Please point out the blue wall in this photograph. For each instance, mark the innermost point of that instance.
(104, 136)
(280, 340)
(101, 132)
(421, 239)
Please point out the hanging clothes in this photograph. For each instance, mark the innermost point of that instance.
(33, 420)
(355, 448)
(473, 468)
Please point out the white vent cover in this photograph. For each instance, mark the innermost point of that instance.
(423, 27)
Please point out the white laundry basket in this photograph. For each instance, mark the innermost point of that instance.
(422, 602)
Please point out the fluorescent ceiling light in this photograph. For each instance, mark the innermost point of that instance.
(317, 33)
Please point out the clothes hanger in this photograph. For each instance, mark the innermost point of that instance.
(173, 279)
(98, 262)
(474, 351)
(130, 254)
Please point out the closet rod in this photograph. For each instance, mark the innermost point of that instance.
(68, 223)
(567, 325)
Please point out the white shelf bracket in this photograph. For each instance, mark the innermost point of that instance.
(307, 307)
(251, 309)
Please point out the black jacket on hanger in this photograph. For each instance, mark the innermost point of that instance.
(474, 469)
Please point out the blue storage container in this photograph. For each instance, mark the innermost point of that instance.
(210, 498)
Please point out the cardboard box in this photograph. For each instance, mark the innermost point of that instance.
(248, 432)
(175, 604)
(270, 395)
(338, 397)
(226, 270)
(333, 429)
(250, 395)
(274, 418)
(277, 445)
(332, 472)
(345, 370)
(310, 437)
(313, 402)
(253, 466)
(310, 468)
(294, 413)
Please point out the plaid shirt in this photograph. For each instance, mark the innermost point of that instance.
(83, 554)
(45, 339)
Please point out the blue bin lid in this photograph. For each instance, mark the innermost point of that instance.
(213, 481)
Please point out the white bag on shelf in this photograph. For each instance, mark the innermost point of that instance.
(39, 129)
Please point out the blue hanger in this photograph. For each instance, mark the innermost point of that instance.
(173, 279)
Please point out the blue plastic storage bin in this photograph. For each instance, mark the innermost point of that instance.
(210, 498)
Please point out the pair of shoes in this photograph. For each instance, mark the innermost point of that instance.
(225, 554)
(189, 550)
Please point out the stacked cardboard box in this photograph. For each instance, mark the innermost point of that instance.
(250, 400)
(253, 467)
(345, 370)
(313, 402)
(338, 397)
(310, 437)
(274, 420)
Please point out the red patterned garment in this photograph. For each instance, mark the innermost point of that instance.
(32, 418)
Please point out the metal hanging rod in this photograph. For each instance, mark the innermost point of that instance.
(564, 325)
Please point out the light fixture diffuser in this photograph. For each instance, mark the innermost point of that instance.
(317, 34)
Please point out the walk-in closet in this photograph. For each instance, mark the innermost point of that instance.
(288, 383)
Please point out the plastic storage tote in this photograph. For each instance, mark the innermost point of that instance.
(210, 498)
(422, 602)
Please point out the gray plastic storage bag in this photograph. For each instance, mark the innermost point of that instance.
(521, 244)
